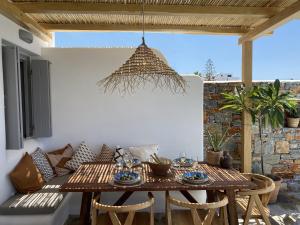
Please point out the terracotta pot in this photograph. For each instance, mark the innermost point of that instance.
(213, 158)
(274, 194)
(293, 122)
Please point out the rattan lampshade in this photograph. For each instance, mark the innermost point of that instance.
(141, 68)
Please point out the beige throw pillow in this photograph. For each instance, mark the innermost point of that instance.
(143, 152)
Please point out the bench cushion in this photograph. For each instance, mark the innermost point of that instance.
(44, 201)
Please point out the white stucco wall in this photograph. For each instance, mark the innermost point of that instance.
(9, 158)
(81, 111)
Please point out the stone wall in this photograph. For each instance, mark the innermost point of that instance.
(280, 146)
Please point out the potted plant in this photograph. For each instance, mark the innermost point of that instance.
(293, 117)
(216, 140)
(266, 105)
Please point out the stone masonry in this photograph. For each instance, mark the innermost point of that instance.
(281, 146)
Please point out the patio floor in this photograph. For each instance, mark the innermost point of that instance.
(288, 204)
(286, 211)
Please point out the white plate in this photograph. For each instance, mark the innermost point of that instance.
(112, 183)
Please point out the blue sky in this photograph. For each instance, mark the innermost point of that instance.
(274, 56)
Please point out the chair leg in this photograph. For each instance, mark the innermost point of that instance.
(168, 210)
(209, 217)
(249, 210)
(225, 215)
(94, 216)
(196, 217)
(257, 221)
(261, 210)
(151, 215)
(114, 218)
(130, 218)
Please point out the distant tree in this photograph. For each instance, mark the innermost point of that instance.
(209, 72)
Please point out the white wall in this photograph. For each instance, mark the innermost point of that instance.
(9, 158)
(81, 111)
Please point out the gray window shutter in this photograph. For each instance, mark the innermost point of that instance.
(41, 101)
(12, 95)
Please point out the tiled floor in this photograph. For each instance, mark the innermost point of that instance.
(288, 204)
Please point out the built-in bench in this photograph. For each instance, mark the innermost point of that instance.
(47, 206)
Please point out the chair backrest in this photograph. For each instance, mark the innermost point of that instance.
(130, 209)
(211, 207)
(264, 186)
(123, 208)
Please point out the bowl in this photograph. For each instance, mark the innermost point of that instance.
(195, 177)
(160, 169)
(179, 162)
(127, 178)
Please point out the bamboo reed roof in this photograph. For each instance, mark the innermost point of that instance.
(234, 17)
(251, 3)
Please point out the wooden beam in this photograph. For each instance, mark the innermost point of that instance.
(15, 14)
(88, 7)
(151, 28)
(246, 118)
(271, 24)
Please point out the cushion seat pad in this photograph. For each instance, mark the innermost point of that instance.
(44, 201)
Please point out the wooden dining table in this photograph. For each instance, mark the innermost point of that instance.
(93, 178)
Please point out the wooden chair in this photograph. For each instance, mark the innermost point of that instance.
(111, 216)
(197, 213)
(253, 203)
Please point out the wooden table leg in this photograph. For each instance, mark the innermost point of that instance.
(211, 196)
(188, 196)
(232, 209)
(123, 198)
(85, 211)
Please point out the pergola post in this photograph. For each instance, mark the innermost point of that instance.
(246, 118)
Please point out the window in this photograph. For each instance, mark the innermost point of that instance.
(27, 96)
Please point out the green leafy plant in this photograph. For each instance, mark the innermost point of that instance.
(217, 139)
(293, 112)
(265, 103)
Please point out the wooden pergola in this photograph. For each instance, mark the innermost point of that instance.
(249, 19)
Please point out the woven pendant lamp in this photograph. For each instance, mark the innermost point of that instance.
(141, 68)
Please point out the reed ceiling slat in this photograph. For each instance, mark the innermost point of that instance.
(246, 3)
(206, 16)
(137, 20)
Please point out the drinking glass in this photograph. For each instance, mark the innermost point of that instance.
(119, 165)
(182, 157)
(128, 161)
(195, 161)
